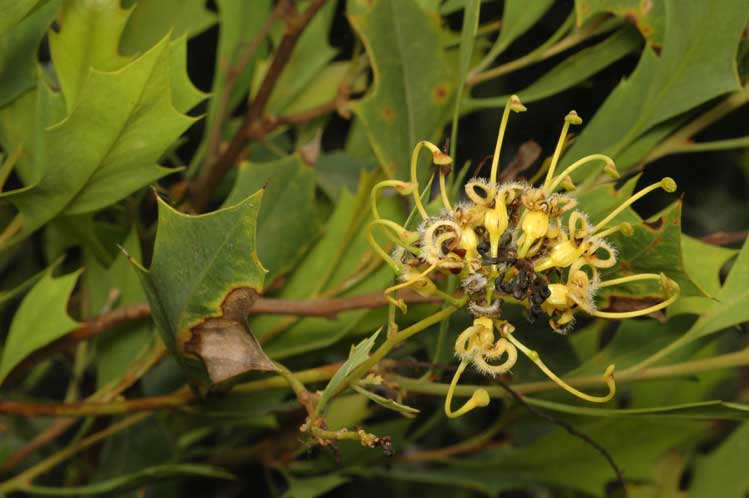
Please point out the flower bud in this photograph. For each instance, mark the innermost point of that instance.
(535, 224)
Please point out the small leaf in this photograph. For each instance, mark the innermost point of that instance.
(204, 278)
(412, 89)
(41, 318)
(358, 355)
(390, 404)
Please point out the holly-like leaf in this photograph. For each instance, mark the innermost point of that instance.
(287, 224)
(18, 48)
(412, 89)
(690, 70)
(126, 120)
(89, 37)
(648, 17)
(204, 278)
(41, 318)
(151, 20)
(14, 12)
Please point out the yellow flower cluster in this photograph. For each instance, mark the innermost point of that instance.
(511, 243)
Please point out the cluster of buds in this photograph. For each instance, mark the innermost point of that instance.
(511, 243)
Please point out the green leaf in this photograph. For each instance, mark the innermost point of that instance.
(571, 71)
(517, 18)
(722, 472)
(116, 348)
(18, 48)
(6, 296)
(654, 247)
(730, 307)
(204, 277)
(412, 89)
(127, 482)
(14, 12)
(32, 329)
(151, 20)
(127, 120)
(287, 224)
(562, 461)
(390, 404)
(701, 410)
(703, 262)
(648, 17)
(89, 37)
(358, 355)
(311, 487)
(691, 70)
(338, 170)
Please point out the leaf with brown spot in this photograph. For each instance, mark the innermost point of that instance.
(413, 88)
(204, 278)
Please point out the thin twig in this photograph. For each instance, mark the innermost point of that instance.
(252, 124)
(232, 77)
(723, 238)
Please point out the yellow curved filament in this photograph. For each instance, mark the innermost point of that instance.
(379, 250)
(555, 182)
(513, 104)
(399, 302)
(570, 118)
(608, 375)
(667, 184)
(480, 397)
(403, 188)
(438, 157)
(443, 193)
(669, 286)
(501, 347)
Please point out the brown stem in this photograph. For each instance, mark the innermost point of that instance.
(252, 124)
(723, 238)
(181, 397)
(328, 308)
(232, 76)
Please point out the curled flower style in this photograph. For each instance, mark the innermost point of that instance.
(511, 243)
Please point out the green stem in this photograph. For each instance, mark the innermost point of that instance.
(11, 229)
(731, 360)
